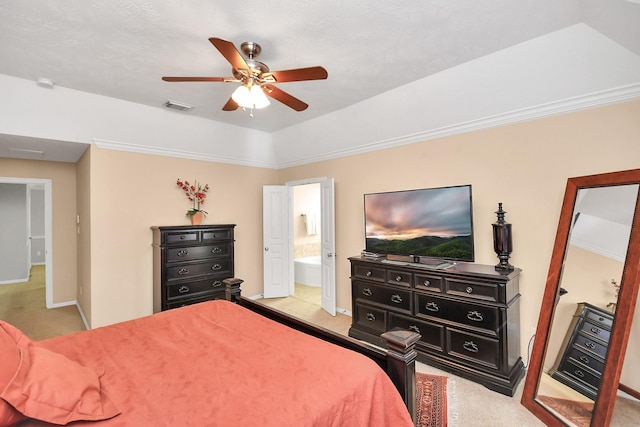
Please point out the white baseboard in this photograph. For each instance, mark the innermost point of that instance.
(84, 319)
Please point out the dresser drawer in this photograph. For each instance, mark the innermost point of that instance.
(432, 334)
(476, 290)
(427, 282)
(393, 298)
(595, 331)
(371, 318)
(197, 252)
(402, 278)
(590, 345)
(606, 321)
(579, 356)
(371, 273)
(578, 373)
(179, 237)
(188, 301)
(219, 267)
(473, 348)
(473, 315)
(217, 235)
(188, 289)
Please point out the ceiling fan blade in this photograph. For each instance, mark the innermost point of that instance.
(199, 79)
(284, 97)
(231, 54)
(299, 74)
(231, 105)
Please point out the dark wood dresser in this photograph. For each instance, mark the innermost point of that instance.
(468, 316)
(190, 263)
(581, 359)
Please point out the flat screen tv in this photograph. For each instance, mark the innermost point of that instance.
(432, 223)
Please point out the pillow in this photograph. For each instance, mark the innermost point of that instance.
(50, 387)
(10, 356)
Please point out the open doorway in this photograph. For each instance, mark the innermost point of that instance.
(307, 246)
(278, 243)
(37, 234)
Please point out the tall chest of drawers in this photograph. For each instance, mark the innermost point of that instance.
(581, 359)
(468, 316)
(190, 263)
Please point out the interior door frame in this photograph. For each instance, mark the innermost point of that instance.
(48, 234)
(290, 185)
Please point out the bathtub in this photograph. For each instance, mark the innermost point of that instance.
(306, 271)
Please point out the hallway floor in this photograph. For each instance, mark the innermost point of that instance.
(23, 305)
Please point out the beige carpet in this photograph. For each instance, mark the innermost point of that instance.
(305, 305)
(23, 305)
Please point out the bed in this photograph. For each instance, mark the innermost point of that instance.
(217, 363)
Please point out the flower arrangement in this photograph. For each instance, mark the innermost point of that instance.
(196, 193)
(612, 305)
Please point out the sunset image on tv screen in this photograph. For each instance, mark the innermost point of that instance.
(431, 222)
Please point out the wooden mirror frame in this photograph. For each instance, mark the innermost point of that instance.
(603, 407)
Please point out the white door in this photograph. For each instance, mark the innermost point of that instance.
(328, 242)
(276, 241)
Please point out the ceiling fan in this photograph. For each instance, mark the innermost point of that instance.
(256, 78)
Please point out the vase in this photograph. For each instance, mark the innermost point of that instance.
(196, 218)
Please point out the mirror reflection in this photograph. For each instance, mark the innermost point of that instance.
(585, 308)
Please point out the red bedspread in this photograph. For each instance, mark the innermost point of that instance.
(219, 364)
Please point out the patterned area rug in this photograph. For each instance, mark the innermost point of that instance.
(431, 400)
(578, 413)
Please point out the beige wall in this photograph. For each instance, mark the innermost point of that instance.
(131, 192)
(63, 199)
(525, 166)
(83, 194)
(306, 203)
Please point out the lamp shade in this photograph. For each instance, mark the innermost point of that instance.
(252, 97)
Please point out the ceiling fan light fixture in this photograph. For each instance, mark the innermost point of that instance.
(250, 97)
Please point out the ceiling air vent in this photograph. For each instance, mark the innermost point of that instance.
(178, 105)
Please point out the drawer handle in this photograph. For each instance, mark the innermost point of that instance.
(426, 283)
(414, 328)
(369, 273)
(183, 289)
(396, 298)
(476, 316)
(601, 319)
(578, 373)
(367, 292)
(371, 317)
(216, 283)
(596, 330)
(216, 250)
(216, 267)
(183, 271)
(432, 306)
(470, 346)
(398, 278)
(469, 290)
(584, 359)
(182, 237)
(183, 253)
(589, 344)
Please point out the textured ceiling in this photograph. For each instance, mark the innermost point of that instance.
(122, 48)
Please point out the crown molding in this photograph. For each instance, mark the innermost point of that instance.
(569, 105)
(182, 154)
(578, 103)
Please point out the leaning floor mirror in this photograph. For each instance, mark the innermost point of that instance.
(584, 363)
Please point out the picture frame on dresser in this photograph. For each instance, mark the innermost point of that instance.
(467, 314)
(190, 264)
